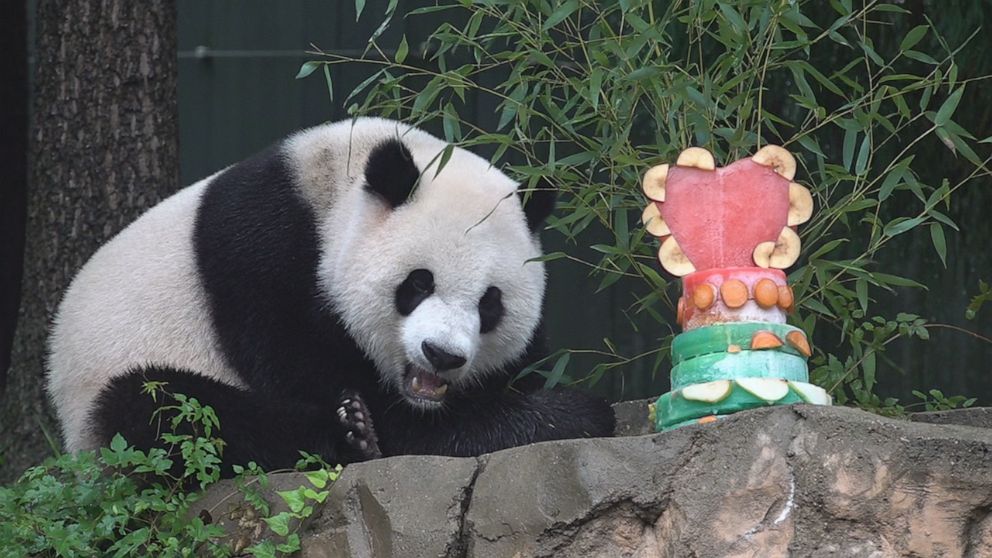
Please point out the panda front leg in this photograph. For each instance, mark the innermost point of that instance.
(486, 422)
(268, 430)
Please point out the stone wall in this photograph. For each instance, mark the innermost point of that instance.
(783, 481)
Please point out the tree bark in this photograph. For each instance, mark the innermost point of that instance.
(14, 162)
(104, 147)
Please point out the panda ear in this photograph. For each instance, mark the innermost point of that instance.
(538, 202)
(390, 172)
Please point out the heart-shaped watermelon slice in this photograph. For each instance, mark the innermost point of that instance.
(719, 216)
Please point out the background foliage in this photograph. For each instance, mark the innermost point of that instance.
(590, 94)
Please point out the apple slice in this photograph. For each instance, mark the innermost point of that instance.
(800, 204)
(764, 340)
(653, 223)
(778, 158)
(709, 392)
(768, 389)
(696, 157)
(653, 184)
(798, 340)
(810, 393)
(779, 254)
(673, 259)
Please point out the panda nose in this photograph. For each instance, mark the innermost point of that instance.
(441, 359)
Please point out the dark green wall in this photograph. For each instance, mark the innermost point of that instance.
(238, 95)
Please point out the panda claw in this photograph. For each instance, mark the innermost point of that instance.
(354, 417)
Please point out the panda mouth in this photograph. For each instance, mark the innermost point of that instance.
(423, 385)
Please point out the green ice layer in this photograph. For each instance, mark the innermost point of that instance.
(716, 338)
(723, 397)
(767, 363)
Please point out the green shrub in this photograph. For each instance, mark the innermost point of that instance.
(591, 94)
(124, 502)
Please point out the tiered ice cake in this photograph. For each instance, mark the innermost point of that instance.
(728, 232)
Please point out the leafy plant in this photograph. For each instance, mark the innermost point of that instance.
(591, 94)
(121, 501)
(935, 400)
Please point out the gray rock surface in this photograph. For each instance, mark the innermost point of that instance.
(783, 481)
(979, 417)
(632, 417)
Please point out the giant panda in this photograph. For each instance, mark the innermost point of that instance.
(341, 293)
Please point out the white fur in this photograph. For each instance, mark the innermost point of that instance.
(464, 224)
(139, 300)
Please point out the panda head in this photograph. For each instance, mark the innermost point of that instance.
(432, 272)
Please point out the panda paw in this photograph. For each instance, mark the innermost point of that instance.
(356, 420)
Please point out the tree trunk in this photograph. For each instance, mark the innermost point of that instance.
(104, 147)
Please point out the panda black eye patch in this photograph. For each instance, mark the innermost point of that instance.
(417, 286)
(490, 309)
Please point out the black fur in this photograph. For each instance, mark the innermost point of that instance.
(391, 173)
(538, 203)
(255, 425)
(417, 286)
(257, 253)
(490, 309)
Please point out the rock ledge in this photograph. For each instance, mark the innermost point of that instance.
(782, 481)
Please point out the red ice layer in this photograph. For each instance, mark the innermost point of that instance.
(719, 312)
(718, 217)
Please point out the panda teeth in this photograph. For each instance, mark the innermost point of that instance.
(441, 390)
(415, 384)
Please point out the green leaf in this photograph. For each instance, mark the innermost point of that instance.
(279, 523)
(359, 8)
(850, 141)
(307, 68)
(947, 109)
(595, 85)
(402, 50)
(861, 165)
(937, 236)
(564, 10)
(868, 369)
(861, 286)
(913, 37)
(900, 225)
(557, 371)
(318, 478)
(445, 157)
(330, 84)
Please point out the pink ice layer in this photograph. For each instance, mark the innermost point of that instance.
(719, 313)
(718, 217)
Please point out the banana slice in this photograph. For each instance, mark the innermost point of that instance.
(800, 204)
(779, 254)
(653, 184)
(778, 158)
(655, 225)
(696, 157)
(673, 259)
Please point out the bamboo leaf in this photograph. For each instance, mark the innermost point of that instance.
(939, 243)
(914, 36)
(402, 50)
(947, 109)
